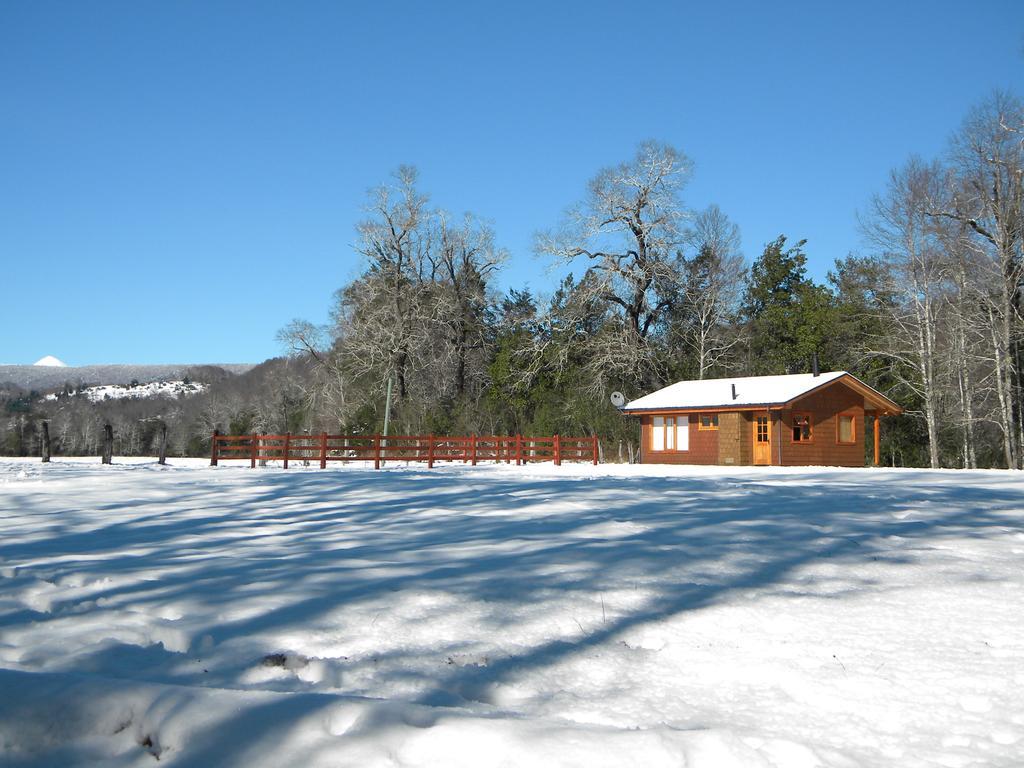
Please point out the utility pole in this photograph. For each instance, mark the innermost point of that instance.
(387, 409)
(387, 413)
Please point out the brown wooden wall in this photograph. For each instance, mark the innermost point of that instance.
(730, 439)
(746, 438)
(824, 449)
(703, 444)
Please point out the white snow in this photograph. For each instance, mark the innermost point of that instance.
(750, 390)
(51, 362)
(502, 616)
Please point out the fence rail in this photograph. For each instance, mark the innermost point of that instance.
(323, 448)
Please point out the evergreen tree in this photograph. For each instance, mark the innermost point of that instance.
(789, 318)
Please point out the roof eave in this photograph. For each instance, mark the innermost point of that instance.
(880, 401)
(698, 408)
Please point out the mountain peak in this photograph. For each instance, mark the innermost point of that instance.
(51, 362)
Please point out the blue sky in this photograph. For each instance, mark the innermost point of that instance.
(178, 180)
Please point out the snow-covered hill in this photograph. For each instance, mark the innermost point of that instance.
(173, 389)
(51, 362)
(43, 377)
(505, 616)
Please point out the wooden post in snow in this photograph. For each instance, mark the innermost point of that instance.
(213, 448)
(323, 450)
(558, 451)
(519, 450)
(287, 443)
(46, 442)
(594, 438)
(376, 451)
(430, 451)
(253, 449)
(108, 444)
(162, 457)
(878, 438)
(472, 449)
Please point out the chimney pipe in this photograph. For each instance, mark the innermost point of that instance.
(814, 364)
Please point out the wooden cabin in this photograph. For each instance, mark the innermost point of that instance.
(796, 420)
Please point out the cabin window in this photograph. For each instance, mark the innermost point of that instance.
(847, 428)
(802, 431)
(670, 433)
(708, 421)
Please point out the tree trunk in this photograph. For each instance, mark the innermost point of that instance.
(460, 363)
(926, 365)
(46, 442)
(108, 444)
(1018, 409)
(1010, 372)
(400, 365)
(163, 444)
(963, 367)
(1005, 419)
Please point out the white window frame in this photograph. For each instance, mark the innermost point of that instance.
(658, 434)
(683, 432)
(670, 433)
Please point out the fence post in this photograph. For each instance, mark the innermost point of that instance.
(108, 444)
(213, 448)
(558, 451)
(472, 449)
(519, 450)
(595, 449)
(323, 450)
(287, 441)
(253, 449)
(46, 442)
(430, 451)
(376, 451)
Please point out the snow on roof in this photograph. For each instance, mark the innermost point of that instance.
(750, 390)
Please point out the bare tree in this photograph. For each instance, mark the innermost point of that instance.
(899, 227)
(380, 318)
(988, 198)
(967, 347)
(628, 229)
(327, 390)
(466, 260)
(713, 284)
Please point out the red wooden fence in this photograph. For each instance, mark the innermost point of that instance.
(323, 448)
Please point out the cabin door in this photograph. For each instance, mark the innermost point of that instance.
(762, 440)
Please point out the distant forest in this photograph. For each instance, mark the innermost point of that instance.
(930, 313)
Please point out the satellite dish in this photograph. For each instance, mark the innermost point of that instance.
(618, 400)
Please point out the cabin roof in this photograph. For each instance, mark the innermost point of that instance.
(762, 391)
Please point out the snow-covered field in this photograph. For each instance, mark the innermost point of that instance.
(504, 616)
